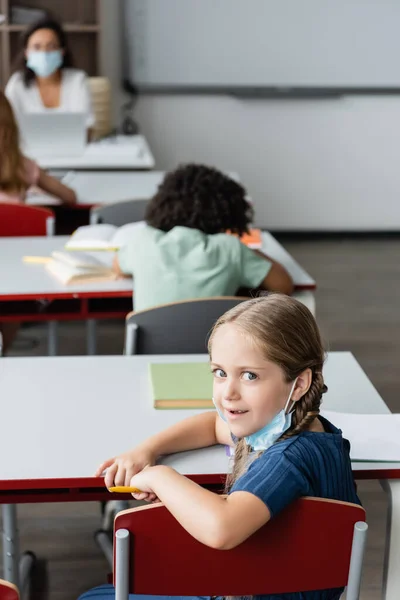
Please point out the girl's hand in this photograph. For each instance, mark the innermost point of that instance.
(121, 469)
(144, 481)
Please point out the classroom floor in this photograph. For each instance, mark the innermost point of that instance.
(357, 310)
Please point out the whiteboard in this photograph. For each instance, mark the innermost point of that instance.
(285, 44)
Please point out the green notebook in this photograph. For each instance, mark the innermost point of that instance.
(181, 385)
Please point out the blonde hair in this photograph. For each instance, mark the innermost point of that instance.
(11, 162)
(287, 335)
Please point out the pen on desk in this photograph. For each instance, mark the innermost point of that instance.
(124, 489)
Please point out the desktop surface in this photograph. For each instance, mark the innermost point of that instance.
(32, 280)
(119, 152)
(71, 413)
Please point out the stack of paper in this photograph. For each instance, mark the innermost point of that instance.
(372, 437)
(78, 267)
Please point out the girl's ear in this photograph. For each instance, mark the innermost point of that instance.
(303, 384)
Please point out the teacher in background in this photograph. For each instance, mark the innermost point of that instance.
(44, 79)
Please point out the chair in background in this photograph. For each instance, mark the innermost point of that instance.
(314, 544)
(177, 328)
(20, 220)
(8, 591)
(119, 213)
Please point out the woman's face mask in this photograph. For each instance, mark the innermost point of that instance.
(44, 64)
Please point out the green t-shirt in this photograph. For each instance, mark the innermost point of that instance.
(186, 263)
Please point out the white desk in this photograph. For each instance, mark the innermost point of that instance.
(26, 281)
(22, 281)
(56, 416)
(120, 152)
(94, 188)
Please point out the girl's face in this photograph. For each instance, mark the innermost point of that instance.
(248, 389)
(43, 40)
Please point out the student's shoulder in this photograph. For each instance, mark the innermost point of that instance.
(227, 242)
(295, 449)
(145, 237)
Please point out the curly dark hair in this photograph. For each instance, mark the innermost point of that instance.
(202, 198)
(45, 23)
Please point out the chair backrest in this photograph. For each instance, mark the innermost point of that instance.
(177, 328)
(309, 546)
(8, 591)
(22, 220)
(119, 213)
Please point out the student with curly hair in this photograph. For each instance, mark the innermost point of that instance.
(184, 251)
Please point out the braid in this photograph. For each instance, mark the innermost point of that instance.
(240, 462)
(307, 409)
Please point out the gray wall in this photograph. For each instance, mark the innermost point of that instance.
(318, 165)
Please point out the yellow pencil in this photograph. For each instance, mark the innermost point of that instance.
(122, 489)
(36, 259)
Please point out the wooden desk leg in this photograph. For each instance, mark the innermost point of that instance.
(391, 571)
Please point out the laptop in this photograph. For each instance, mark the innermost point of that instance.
(53, 134)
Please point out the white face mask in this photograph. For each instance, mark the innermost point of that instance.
(44, 64)
(272, 431)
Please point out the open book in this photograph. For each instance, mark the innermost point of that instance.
(102, 236)
(78, 267)
(181, 385)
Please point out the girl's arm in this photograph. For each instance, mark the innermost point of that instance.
(216, 521)
(55, 188)
(199, 431)
(277, 279)
(117, 269)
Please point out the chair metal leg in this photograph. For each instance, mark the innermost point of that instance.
(16, 569)
(52, 332)
(91, 336)
(356, 561)
(10, 544)
(131, 333)
(122, 564)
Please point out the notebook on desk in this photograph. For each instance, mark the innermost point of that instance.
(181, 385)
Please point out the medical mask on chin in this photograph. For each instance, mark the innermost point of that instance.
(272, 431)
(44, 64)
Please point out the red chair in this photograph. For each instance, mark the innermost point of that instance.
(20, 220)
(8, 591)
(314, 544)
